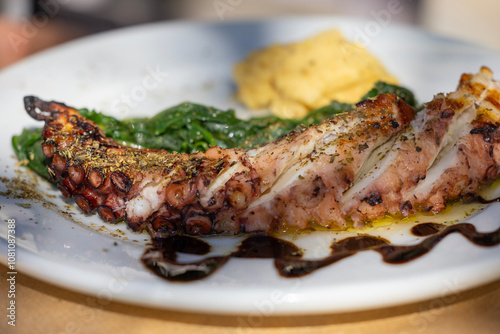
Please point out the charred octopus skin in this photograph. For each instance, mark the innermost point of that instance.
(277, 186)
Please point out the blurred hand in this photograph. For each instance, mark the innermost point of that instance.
(19, 39)
(12, 45)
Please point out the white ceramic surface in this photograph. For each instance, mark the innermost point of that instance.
(162, 64)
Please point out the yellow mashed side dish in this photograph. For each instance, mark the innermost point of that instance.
(290, 80)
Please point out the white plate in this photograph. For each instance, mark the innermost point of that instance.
(162, 64)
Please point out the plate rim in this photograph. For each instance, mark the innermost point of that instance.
(197, 308)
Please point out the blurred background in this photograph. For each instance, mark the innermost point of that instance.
(27, 26)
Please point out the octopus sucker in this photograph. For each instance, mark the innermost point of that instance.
(48, 149)
(95, 178)
(76, 174)
(180, 194)
(164, 224)
(106, 214)
(380, 158)
(59, 163)
(83, 203)
(197, 220)
(112, 204)
(120, 181)
(67, 188)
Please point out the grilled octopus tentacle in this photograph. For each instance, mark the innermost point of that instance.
(124, 183)
(357, 166)
(220, 190)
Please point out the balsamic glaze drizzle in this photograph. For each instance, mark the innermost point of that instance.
(161, 258)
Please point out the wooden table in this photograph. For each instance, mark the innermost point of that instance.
(45, 308)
